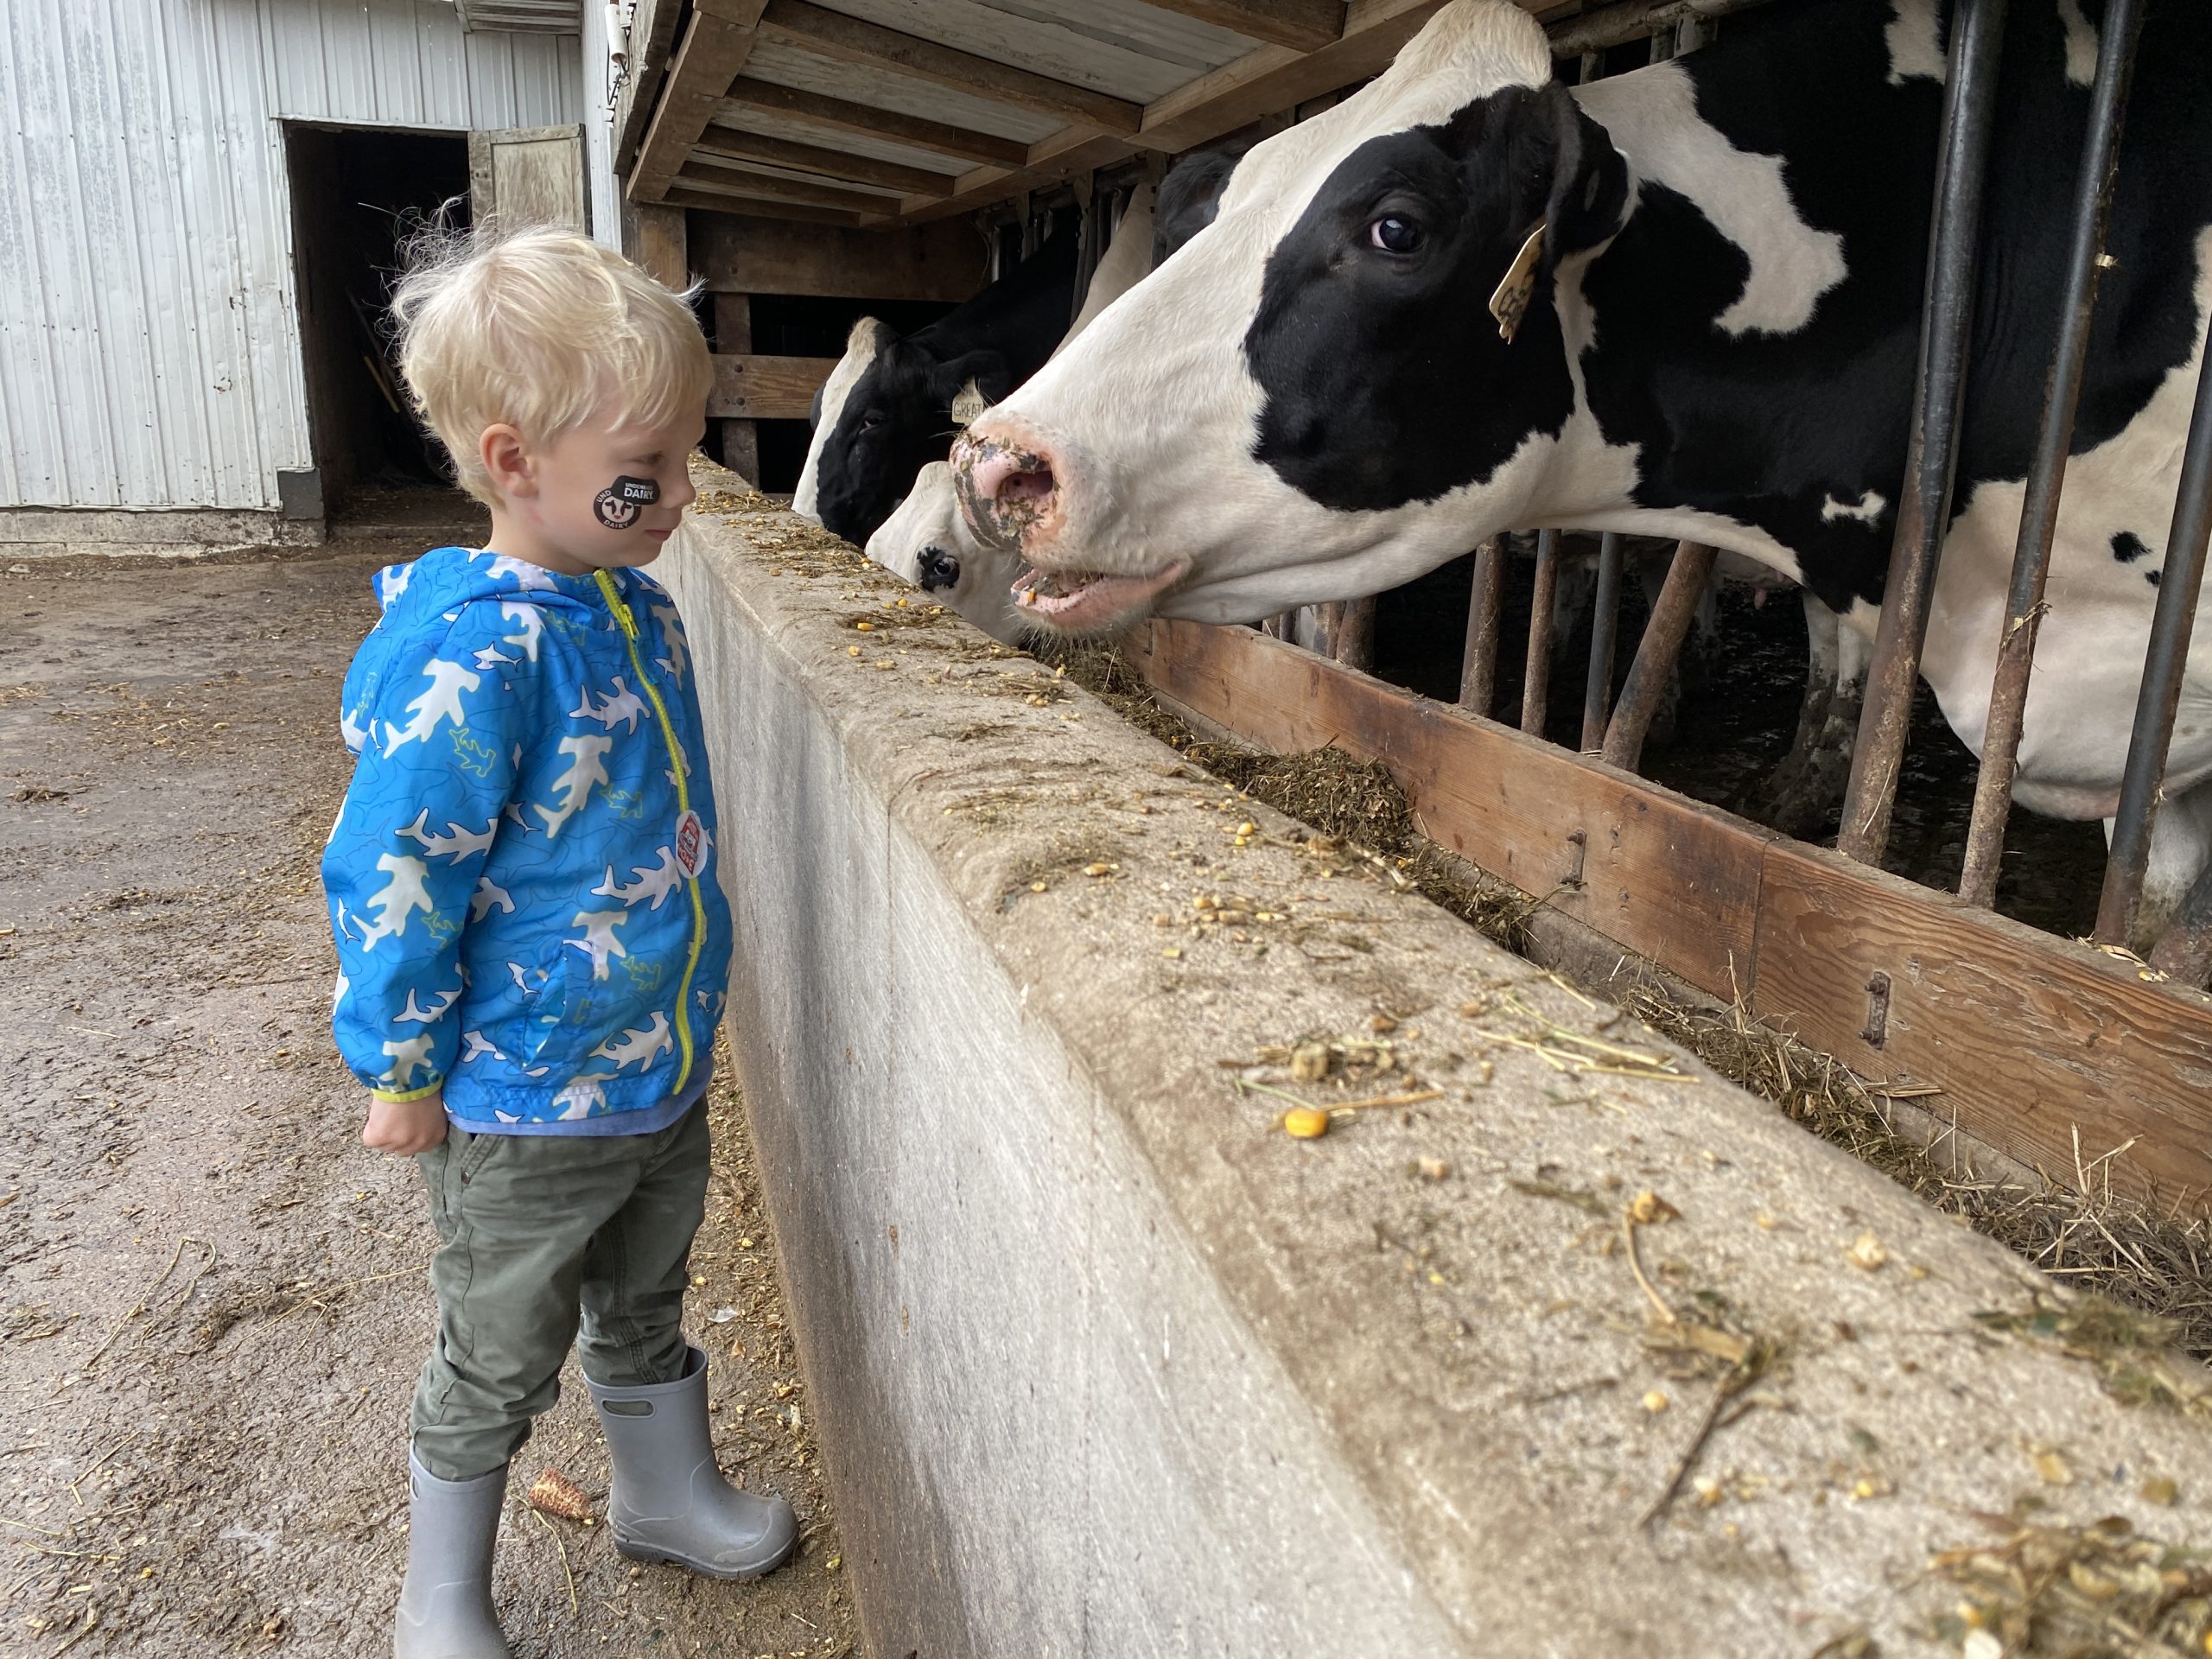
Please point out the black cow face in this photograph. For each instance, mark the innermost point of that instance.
(897, 420)
(1387, 380)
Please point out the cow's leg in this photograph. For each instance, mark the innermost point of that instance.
(2181, 853)
(1800, 794)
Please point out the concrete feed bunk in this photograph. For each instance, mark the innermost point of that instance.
(1108, 1363)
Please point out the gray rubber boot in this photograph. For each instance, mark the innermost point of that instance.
(669, 1502)
(445, 1606)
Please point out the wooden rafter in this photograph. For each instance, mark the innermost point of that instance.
(1276, 77)
(831, 33)
(835, 165)
(702, 174)
(682, 195)
(1071, 151)
(958, 143)
(714, 48)
(1302, 25)
(652, 32)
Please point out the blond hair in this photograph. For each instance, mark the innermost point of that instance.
(541, 329)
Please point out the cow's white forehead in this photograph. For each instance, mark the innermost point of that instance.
(1469, 50)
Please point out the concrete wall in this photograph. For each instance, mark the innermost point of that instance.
(1107, 1365)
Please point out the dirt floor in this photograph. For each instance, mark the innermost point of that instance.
(212, 1300)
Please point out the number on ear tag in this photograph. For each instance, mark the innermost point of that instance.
(1511, 302)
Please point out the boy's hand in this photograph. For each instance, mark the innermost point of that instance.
(403, 1128)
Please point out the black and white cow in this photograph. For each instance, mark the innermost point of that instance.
(1312, 400)
(925, 540)
(886, 409)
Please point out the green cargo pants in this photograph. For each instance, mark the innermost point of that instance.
(536, 1231)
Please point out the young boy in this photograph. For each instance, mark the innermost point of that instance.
(532, 947)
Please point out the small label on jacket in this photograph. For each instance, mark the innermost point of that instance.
(690, 845)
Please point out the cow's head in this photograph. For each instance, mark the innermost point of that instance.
(1312, 399)
(896, 419)
(868, 338)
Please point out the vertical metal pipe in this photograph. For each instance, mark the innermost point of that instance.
(1536, 678)
(2162, 668)
(1658, 652)
(1605, 623)
(2016, 646)
(1931, 458)
(1485, 610)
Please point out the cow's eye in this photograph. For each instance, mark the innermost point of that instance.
(1395, 233)
(872, 417)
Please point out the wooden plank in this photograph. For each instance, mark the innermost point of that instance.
(2028, 1037)
(766, 388)
(835, 165)
(852, 39)
(944, 262)
(733, 324)
(1069, 153)
(700, 201)
(704, 177)
(959, 143)
(652, 32)
(1302, 25)
(1665, 876)
(714, 48)
(1276, 78)
(656, 239)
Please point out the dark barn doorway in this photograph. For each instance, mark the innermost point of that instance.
(357, 194)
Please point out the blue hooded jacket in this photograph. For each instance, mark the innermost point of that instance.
(521, 880)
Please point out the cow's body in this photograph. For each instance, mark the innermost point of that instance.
(1722, 349)
(886, 409)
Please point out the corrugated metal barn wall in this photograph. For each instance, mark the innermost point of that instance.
(149, 353)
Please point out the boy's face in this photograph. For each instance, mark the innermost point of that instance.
(603, 498)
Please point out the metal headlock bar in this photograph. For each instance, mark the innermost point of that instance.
(1931, 456)
(2016, 647)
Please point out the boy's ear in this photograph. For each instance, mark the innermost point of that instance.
(506, 461)
(985, 367)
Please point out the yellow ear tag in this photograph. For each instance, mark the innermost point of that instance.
(969, 405)
(1511, 302)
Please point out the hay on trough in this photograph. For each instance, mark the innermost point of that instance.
(2146, 1271)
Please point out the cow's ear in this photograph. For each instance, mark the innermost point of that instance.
(1589, 188)
(985, 368)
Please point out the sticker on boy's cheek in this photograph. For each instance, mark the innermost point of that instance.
(618, 505)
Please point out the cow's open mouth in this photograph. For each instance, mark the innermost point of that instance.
(1087, 599)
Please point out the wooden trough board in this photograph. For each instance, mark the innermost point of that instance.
(2028, 1037)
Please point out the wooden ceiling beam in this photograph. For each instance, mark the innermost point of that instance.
(1071, 151)
(959, 143)
(1301, 25)
(680, 196)
(1272, 79)
(714, 48)
(852, 39)
(703, 174)
(835, 165)
(652, 32)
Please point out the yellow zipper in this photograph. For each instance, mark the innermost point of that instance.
(629, 626)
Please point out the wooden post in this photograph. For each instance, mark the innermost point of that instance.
(734, 337)
(654, 239)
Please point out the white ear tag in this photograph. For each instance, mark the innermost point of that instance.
(969, 405)
(1511, 302)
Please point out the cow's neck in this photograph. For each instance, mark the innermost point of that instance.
(1740, 384)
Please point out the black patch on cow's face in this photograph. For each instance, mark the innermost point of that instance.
(2151, 576)
(897, 419)
(1385, 377)
(2127, 546)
